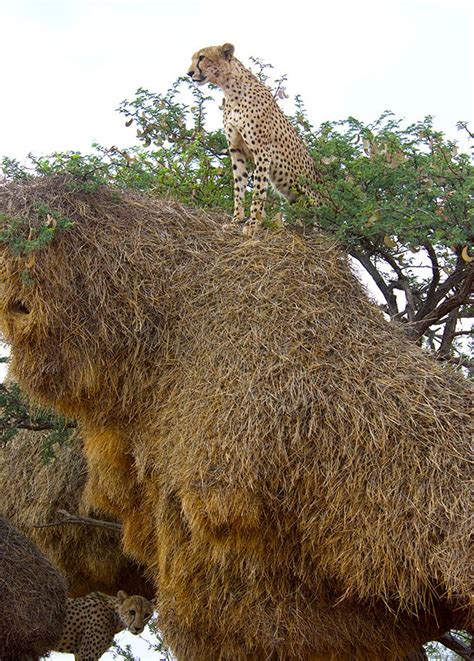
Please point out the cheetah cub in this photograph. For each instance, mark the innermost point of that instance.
(257, 131)
(92, 622)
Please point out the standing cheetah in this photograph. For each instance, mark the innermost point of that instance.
(92, 622)
(256, 130)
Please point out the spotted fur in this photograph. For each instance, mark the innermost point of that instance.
(92, 622)
(257, 131)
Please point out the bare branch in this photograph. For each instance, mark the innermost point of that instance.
(390, 298)
(454, 644)
(443, 290)
(392, 262)
(410, 308)
(458, 360)
(455, 301)
(464, 126)
(449, 333)
(34, 426)
(458, 333)
(435, 271)
(80, 520)
(403, 284)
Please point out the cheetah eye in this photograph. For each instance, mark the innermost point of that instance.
(147, 614)
(132, 613)
(200, 58)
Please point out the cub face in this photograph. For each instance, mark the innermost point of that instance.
(135, 611)
(210, 65)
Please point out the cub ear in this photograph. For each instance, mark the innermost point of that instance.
(227, 51)
(121, 596)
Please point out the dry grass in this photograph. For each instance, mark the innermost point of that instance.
(291, 469)
(32, 492)
(32, 598)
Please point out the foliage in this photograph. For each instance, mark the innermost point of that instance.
(13, 231)
(17, 413)
(155, 643)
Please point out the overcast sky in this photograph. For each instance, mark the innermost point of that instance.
(67, 64)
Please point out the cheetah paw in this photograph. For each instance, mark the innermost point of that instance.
(235, 222)
(250, 229)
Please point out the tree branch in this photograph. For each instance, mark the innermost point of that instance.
(458, 333)
(33, 426)
(449, 333)
(451, 281)
(457, 360)
(410, 309)
(80, 520)
(435, 271)
(455, 301)
(454, 644)
(402, 283)
(390, 298)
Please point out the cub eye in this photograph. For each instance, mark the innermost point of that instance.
(147, 614)
(132, 613)
(200, 58)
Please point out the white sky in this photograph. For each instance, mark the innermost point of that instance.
(67, 64)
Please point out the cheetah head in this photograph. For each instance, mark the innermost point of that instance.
(134, 611)
(210, 65)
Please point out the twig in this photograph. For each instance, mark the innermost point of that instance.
(466, 332)
(444, 308)
(460, 274)
(435, 270)
(379, 281)
(457, 360)
(454, 644)
(80, 520)
(34, 426)
(449, 333)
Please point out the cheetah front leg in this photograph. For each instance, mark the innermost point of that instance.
(239, 171)
(238, 157)
(261, 176)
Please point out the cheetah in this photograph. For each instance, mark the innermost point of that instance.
(257, 131)
(92, 622)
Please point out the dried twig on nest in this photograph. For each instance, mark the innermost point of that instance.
(81, 520)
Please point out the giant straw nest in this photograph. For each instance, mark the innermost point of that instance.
(32, 598)
(291, 470)
(34, 492)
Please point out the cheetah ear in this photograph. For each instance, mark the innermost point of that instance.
(121, 596)
(227, 51)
